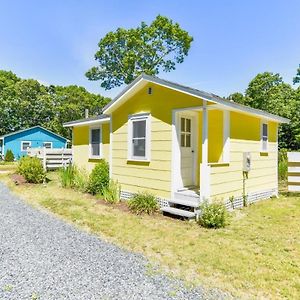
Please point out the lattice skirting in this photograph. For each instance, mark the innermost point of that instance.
(238, 202)
(125, 195)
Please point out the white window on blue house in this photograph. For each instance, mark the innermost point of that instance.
(25, 145)
(95, 142)
(47, 145)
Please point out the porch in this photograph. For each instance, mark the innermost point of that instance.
(200, 138)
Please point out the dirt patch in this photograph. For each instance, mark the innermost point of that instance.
(18, 179)
(121, 205)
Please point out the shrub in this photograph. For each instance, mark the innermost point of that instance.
(32, 169)
(9, 156)
(99, 178)
(213, 215)
(282, 164)
(111, 193)
(143, 203)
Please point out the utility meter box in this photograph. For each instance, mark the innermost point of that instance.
(246, 161)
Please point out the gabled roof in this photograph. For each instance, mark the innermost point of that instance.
(93, 120)
(143, 79)
(27, 129)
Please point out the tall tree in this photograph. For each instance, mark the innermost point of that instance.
(26, 103)
(296, 79)
(126, 53)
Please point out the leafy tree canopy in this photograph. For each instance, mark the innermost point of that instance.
(126, 53)
(296, 79)
(26, 103)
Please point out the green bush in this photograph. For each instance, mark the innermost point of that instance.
(32, 169)
(213, 215)
(9, 156)
(143, 203)
(111, 193)
(99, 178)
(282, 164)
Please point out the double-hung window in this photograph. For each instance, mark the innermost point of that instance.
(95, 142)
(47, 145)
(139, 137)
(25, 145)
(264, 137)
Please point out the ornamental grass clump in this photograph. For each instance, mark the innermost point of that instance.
(72, 177)
(213, 215)
(111, 193)
(31, 169)
(9, 156)
(143, 202)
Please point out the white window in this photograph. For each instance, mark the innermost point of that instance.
(95, 142)
(186, 131)
(47, 145)
(139, 137)
(25, 145)
(264, 137)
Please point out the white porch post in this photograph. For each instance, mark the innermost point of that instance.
(204, 167)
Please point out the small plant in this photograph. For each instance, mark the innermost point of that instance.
(213, 215)
(9, 156)
(111, 193)
(282, 164)
(32, 169)
(143, 203)
(80, 180)
(67, 176)
(99, 178)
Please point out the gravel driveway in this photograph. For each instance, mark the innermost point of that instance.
(41, 257)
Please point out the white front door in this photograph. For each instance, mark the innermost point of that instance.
(186, 137)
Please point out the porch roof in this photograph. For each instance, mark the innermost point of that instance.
(142, 80)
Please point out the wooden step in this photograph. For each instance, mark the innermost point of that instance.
(178, 212)
(191, 203)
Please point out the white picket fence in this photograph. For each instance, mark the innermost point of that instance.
(293, 171)
(52, 158)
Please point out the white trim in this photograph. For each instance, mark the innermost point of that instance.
(51, 143)
(210, 98)
(262, 123)
(226, 137)
(131, 119)
(110, 147)
(175, 183)
(100, 144)
(276, 167)
(22, 142)
(204, 134)
(88, 122)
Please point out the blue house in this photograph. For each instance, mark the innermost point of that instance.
(35, 137)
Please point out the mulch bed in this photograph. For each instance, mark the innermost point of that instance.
(18, 179)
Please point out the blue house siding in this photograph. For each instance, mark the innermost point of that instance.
(36, 135)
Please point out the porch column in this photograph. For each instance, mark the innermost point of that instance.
(204, 167)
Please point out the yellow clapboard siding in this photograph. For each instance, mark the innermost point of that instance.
(164, 165)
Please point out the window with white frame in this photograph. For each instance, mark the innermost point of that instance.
(139, 137)
(47, 145)
(95, 142)
(25, 145)
(264, 137)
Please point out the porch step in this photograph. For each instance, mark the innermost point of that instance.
(178, 212)
(187, 196)
(191, 203)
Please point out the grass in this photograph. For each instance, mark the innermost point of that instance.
(256, 256)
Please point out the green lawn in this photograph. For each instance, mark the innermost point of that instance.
(257, 255)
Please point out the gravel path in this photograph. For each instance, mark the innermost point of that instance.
(41, 257)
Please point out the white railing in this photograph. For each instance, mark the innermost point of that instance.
(293, 171)
(52, 158)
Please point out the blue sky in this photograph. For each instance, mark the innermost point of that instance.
(55, 41)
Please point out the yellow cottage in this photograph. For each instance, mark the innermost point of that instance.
(181, 144)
